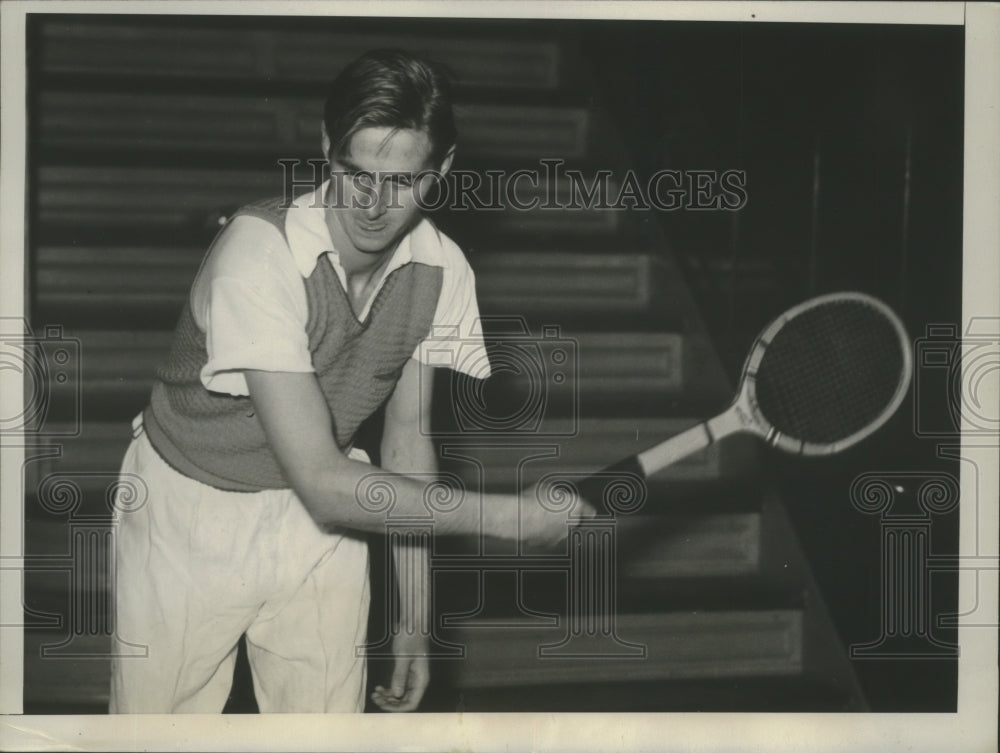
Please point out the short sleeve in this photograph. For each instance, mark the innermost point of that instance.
(456, 337)
(250, 301)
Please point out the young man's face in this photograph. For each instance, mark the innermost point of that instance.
(376, 190)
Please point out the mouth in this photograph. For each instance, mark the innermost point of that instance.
(372, 228)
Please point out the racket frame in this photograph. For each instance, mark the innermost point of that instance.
(747, 411)
(744, 415)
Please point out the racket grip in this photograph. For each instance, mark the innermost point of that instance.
(622, 487)
(595, 488)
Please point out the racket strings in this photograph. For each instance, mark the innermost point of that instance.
(830, 371)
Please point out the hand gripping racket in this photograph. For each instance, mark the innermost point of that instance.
(820, 378)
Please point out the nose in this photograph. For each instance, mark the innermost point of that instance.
(377, 205)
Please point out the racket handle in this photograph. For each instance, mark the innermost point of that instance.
(638, 468)
(592, 488)
(678, 447)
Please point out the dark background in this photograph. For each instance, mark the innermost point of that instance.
(871, 100)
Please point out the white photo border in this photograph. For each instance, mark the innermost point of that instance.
(972, 728)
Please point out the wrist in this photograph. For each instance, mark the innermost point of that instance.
(415, 641)
(501, 516)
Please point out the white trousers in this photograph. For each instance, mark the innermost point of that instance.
(197, 567)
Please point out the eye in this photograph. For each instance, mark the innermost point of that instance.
(344, 176)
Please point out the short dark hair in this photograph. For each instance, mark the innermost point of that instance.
(391, 89)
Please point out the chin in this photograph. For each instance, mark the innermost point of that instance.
(372, 245)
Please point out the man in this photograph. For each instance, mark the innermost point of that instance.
(301, 323)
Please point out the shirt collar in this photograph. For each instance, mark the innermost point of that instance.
(309, 237)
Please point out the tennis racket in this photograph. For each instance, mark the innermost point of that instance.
(818, 379)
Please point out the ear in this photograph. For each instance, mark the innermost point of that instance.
(449, 157)
(325, 142)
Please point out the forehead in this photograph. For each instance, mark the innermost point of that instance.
(387, 149)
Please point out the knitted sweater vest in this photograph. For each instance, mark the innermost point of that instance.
(217, 438)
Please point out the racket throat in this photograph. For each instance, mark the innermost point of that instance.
(739, 417)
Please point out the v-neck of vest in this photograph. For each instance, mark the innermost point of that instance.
(359, 323)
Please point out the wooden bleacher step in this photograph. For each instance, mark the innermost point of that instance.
(503, 61)
(91, 284)
(689, 546)
(496, 62)
(523, 132)
(677, 645)
(560, 282)
(137, 198)
(595, 374)
(607, 286)
(767, 694)
(253, 124)
(556, 207)
(113, 377)
(90, 460)
(101, 286)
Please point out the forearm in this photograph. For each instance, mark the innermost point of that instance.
(338, 491)
(416, 455)
(352, 494)
(412, 560)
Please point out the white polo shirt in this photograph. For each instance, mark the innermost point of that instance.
(250, 301)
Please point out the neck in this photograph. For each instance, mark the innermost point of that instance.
(360, 264)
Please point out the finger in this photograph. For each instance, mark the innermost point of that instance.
(386, 704)
(380, 694)
(409, 701)
(383, 700)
